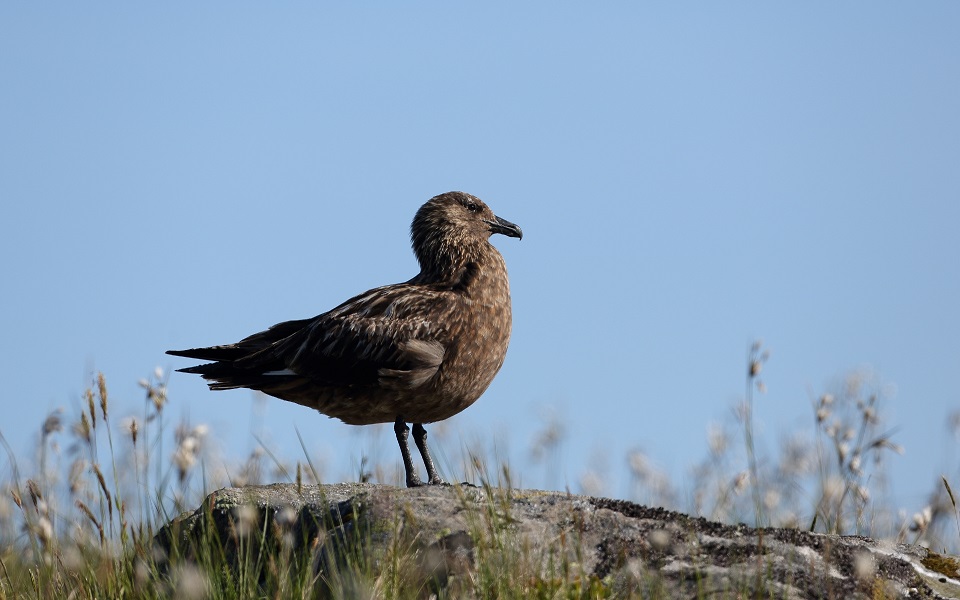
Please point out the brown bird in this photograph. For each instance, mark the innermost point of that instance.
(419, 352)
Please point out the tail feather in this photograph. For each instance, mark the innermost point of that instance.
(228, 352)
(226, 376)
(228, 372)
(204, 369)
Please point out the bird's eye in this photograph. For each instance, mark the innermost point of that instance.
(473, 207)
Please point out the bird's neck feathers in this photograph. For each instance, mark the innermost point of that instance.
(444, 260)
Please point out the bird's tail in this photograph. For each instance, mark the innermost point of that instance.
(230, 352)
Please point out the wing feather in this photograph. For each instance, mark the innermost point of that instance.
(379, 338)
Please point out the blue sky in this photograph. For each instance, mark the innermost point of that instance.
(688, 177)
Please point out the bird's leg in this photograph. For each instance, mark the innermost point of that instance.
(420, 437)
(401, 429)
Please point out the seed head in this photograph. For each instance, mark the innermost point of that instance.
(102, 389)
(53, 422)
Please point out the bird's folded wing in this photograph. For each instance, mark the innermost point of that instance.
(389, 337)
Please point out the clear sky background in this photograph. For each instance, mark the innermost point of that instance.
(689, 178)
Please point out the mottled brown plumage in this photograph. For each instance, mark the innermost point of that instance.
(418, 352)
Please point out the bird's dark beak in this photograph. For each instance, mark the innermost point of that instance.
(505, 227)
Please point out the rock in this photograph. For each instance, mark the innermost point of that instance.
(467, 541)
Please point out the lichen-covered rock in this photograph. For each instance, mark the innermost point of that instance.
(465, 540)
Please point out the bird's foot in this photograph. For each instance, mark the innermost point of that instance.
(415, 481)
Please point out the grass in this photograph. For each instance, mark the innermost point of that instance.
(82, 525)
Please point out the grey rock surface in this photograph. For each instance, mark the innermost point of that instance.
(452, 535)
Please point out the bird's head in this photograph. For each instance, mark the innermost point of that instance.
(455, 222)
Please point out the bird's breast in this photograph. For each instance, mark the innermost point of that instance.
(479, 340)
